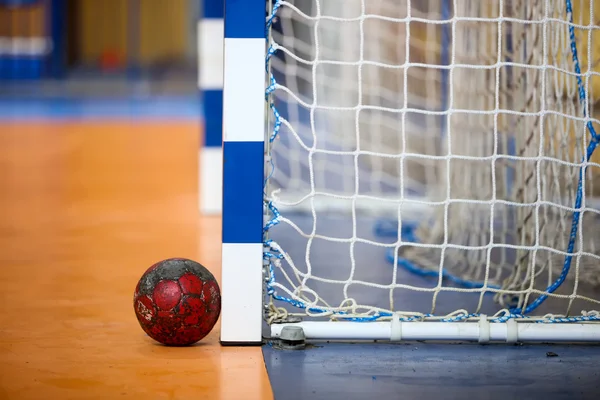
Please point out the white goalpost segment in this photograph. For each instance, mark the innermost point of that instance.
(412, 170)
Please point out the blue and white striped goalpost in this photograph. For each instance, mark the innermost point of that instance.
(210, 82)
(243, 171)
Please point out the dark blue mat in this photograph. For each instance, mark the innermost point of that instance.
(434, 371)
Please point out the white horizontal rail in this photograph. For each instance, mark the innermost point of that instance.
(290, 201)
(382, 205)
(482, 331)
(15, 46)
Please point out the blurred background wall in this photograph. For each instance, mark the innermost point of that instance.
(99, 46)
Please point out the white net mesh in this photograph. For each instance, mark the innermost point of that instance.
(446, 136)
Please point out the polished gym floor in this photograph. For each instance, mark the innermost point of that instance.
(91, 195)
(86, 206)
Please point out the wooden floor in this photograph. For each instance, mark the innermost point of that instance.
(85, 208)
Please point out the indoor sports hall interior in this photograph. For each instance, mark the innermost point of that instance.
(400, 199)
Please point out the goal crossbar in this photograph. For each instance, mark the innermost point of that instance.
(498, 190)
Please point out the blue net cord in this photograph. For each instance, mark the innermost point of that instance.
(594, 140)
(272, 255)
(386, 228)
(578, 199)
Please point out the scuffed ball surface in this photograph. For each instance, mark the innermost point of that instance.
(177, 302)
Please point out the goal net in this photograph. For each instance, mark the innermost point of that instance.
(432, 161)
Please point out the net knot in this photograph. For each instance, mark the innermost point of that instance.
(591, 314)
(275, 314)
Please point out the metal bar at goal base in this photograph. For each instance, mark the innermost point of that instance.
(481, 331)
(243, 172)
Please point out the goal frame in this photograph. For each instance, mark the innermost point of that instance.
(243, 269)
(210, 84)
(244, 129)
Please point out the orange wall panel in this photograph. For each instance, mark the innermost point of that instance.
(104, 24)
(23, 21)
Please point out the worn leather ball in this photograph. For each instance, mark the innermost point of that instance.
(177, 302)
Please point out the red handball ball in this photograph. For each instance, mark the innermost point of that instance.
(177, 302)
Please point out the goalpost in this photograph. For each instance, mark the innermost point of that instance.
(411, 170)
